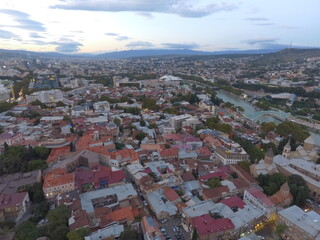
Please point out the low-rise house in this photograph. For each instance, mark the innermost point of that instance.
(18, 181)
(150, 229)
(258, 199)
(58, 181)
(161, 207)
(13, 206)
(301, 225)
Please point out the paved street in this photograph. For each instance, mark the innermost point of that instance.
(267, 231)
(170, 233)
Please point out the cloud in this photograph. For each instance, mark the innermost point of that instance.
(256, 19)
(7, 35)
(288, 27)
(264, 24)
(112, 34)
(35, 35)
(145, 14)
(67, 46)
(122, 38)
(260, 40)
(139, 44)
(23, 20)
(183, 8)
(180, 45)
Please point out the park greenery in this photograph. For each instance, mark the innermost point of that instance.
(214, 182)
(293, 130)
(298, 188)
(23, 159)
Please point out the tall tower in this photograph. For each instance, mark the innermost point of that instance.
(286, 150)
(268, 158)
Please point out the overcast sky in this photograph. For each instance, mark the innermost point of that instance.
(96, 26)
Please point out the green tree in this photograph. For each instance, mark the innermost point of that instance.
(60, 104)
(78, 234)
(294, 130)
(194, 234)
(245, 165)
(27, 231)
(140, 136)
(37, 164)
(152, 125)
(42, 152)
(129, 234)
(267, 127)
(280, 228)
(298, 189)
(214, 182)
(117, 121)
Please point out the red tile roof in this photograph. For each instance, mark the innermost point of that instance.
(258, 194)
(206, 225)
(233, 201)
(170, 194)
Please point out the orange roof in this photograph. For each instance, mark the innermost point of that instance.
(57, 177)
(170, 194)
(122, 214)
(169, 152)
(100, 150)
(83, 142)
(125, 154)
(56, 152)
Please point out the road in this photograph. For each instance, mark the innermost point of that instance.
(267, 231)
(170, 233)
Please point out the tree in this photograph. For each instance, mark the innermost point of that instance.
(60, 104)
(245, 165)
(298, 189)
(280, 228)
(42, 152)
(234, 175)
(194, 234)
(37, 164)
(78, 234)
(142, 123)
(271, 183)
(214, 182)
(267, 127)
(27, 231)
(117, 121)
(152, 125)
(292, 129)
(129, 234)
(140, 136)
(58, 222)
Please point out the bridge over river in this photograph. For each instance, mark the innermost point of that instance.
(276, 114)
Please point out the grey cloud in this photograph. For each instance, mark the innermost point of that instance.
(122, 38)
(261, 40)
(145, 14)
(68, 47)
(35, 35)
(178, 7)
(139, 44)
(112, 34)
(14, 13)
(264, 24)
(23, 20)
(256, 19)
(180, 45)
(7, 35)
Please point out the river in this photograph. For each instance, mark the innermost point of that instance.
(249, 109)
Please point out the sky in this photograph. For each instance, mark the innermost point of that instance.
(96, 26)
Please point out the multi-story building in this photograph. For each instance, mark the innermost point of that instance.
(13, 206)
(309, 171)
(231, 156)
(176, 121)
(301, 225)
(258, 199)
(58, 181)
(49, 96)
(150, 229)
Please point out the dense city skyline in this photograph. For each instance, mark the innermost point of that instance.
(104, 26)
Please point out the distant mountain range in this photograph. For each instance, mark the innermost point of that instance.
(159, 52)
